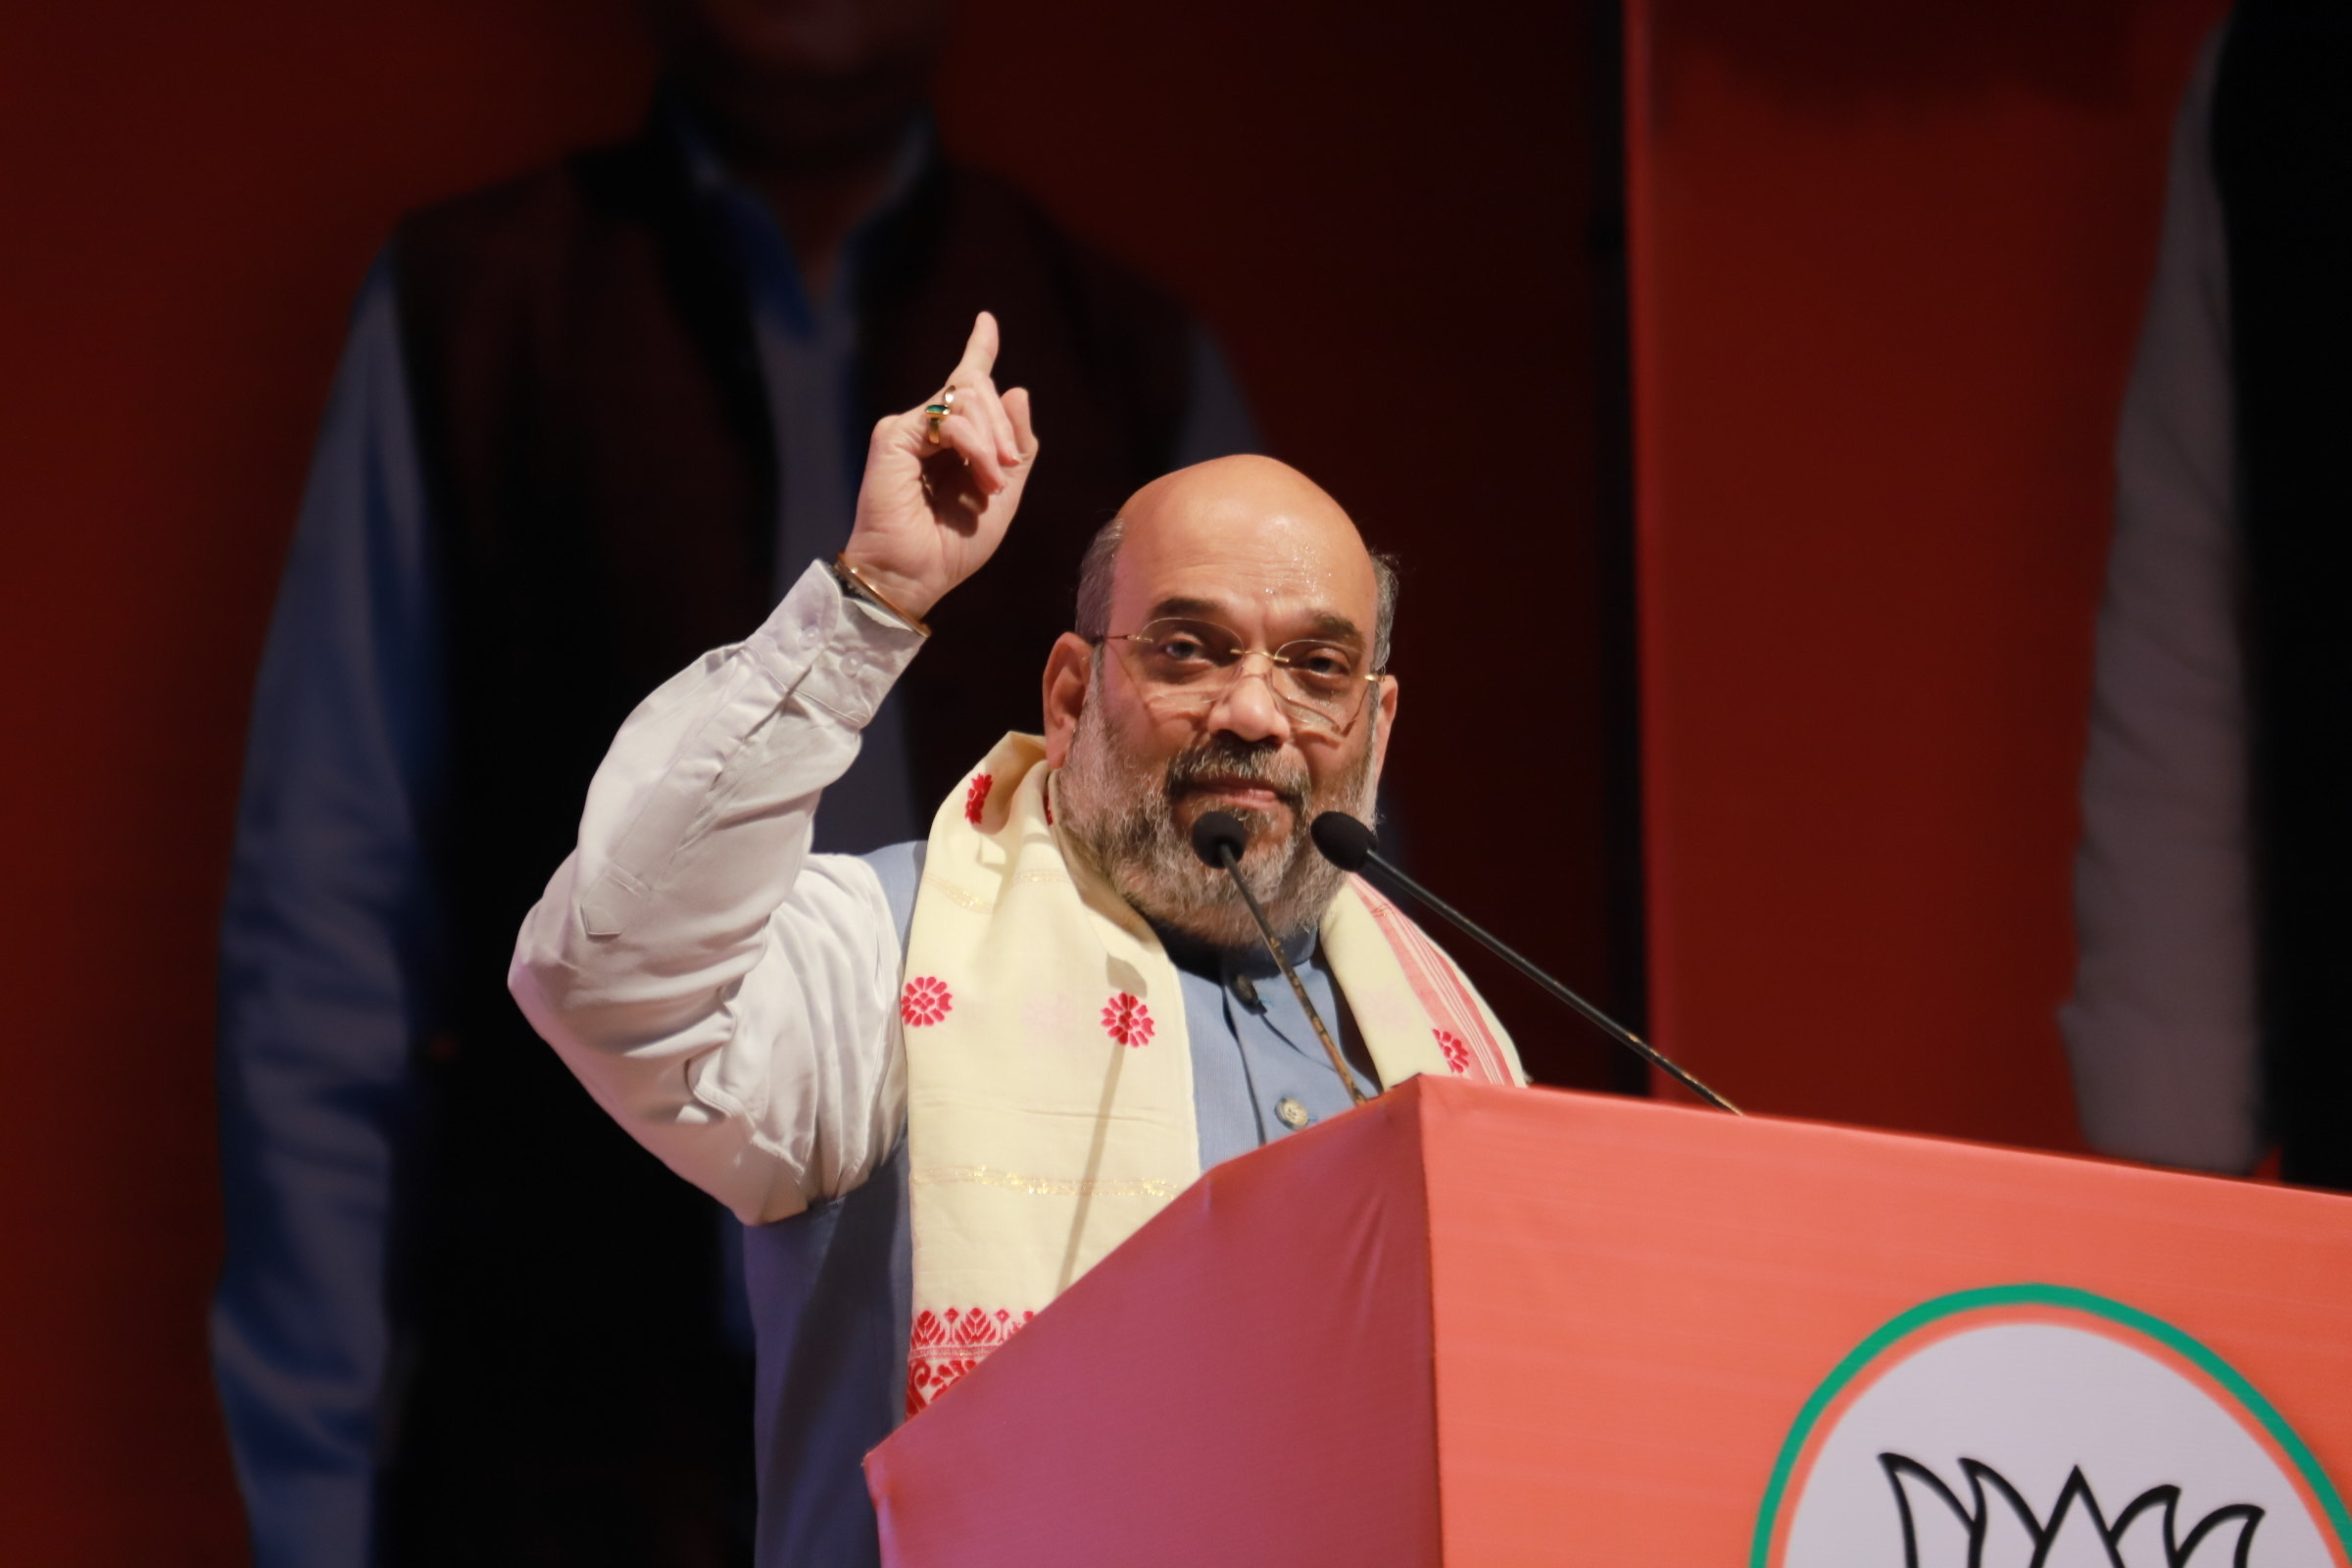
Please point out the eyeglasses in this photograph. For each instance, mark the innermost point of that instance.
(1189, 666)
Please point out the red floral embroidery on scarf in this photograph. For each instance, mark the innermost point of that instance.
(1128, 1020)
(925, 1001)
(975, 799)
(1457, 1049)
(946, 1345)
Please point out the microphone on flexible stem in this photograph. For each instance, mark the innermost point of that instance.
(1351, 846)
(1219, 838)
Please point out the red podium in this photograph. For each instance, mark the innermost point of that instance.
(1465, 1325)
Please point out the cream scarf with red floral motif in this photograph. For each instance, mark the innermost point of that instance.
(1048, 1081)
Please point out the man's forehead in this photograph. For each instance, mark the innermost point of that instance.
(1246, 537)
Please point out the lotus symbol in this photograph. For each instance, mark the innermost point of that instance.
(1994, 1527)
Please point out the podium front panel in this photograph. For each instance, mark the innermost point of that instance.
(1654, 1323)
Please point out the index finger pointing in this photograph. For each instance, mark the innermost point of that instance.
(979, 360)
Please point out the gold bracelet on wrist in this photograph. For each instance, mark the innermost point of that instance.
(853, 583)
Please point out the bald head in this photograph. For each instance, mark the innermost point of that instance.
(1244, 527)
(1243, 483)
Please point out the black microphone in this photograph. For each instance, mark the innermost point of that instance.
(1219, 838)
(1351, 846)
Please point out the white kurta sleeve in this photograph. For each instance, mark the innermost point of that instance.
(2161, 1030)
(725, 995)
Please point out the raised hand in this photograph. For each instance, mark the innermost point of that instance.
(930, 512)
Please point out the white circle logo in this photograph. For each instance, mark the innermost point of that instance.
(2034, 1426)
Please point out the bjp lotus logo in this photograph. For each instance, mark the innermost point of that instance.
(2034, 1426)
(2146, 1531)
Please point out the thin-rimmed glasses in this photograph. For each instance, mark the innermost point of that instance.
(1188, 666)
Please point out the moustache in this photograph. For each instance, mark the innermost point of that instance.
(1225, 758)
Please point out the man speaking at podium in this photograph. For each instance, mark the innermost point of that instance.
(940, 1081)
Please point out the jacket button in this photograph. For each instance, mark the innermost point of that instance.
(1292, 1112)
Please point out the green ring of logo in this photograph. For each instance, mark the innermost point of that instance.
(1903, 1326)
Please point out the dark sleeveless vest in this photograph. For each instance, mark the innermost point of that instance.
(604, 490)
(2282, 154)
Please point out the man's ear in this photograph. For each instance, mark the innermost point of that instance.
(1388, 722)
(1068, 669)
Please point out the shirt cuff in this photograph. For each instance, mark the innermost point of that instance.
(834, 652)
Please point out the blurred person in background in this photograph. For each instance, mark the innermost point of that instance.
(2212, 1015)
(586, 427)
